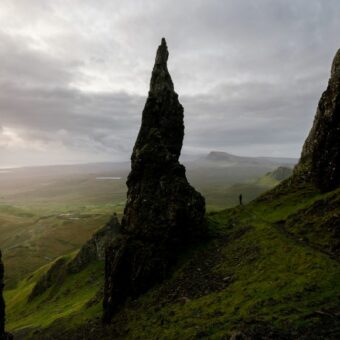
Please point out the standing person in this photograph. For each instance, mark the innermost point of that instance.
(240, 198)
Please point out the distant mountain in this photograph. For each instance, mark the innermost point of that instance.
(227, 158)
(220, 156)
(213, 158)
(212, 174)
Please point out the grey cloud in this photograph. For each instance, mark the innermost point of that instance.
(249, 74)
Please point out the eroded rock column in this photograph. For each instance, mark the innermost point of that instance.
(163, 212)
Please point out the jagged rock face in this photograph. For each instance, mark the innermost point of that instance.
(320, 158)
(94, 249)
(163, 212)
(281, 173)
(2, 302)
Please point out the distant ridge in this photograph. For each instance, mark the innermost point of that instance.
(281, 173)
(221, 156)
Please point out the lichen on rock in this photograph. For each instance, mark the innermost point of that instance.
(320, 158)
(163, 212)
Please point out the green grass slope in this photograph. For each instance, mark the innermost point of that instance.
(253, 276)
(31, 238)
(75, 293)
(48, 212)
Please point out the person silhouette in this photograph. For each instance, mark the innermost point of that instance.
(240, 198)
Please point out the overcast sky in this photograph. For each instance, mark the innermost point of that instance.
(74, 74)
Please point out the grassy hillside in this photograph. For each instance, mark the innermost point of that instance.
(32, 238)
(252, 276)
(78, 292)
(46, 212)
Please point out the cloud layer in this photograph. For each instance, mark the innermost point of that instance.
(74, 74)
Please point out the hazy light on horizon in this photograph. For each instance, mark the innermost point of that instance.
(75, 74)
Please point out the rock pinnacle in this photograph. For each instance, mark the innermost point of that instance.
(163, 213)
(161, 79)
(320, 157)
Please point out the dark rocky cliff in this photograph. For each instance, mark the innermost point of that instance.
(320, 158)
(163, 212)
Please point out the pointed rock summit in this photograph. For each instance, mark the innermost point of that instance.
(2, 302)
(163, 212)
(320, 158)
(160, 79)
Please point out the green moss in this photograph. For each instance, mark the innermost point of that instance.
(57, 302)
(275, 280)
(247, 275)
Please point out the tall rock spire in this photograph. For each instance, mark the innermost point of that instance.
(161, 79)
(163, 212)
(320, 157)
(2, 302)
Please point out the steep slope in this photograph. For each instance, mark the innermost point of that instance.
(31, 238)
(69, 285)
(92, 251)
(281, 173)
(163, 212)
(77, 294)
(319, 167)
(273, 178)
(249, 278)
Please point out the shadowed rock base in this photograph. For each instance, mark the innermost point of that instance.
(163, 212)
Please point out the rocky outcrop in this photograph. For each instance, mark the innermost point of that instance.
(320, 158)
(280, 174)
(163, 212)
(54, 276)
(92, 250)
(2, 302)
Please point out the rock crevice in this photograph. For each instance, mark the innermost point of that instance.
(163, 212)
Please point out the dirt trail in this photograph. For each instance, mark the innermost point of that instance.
(279, 226)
